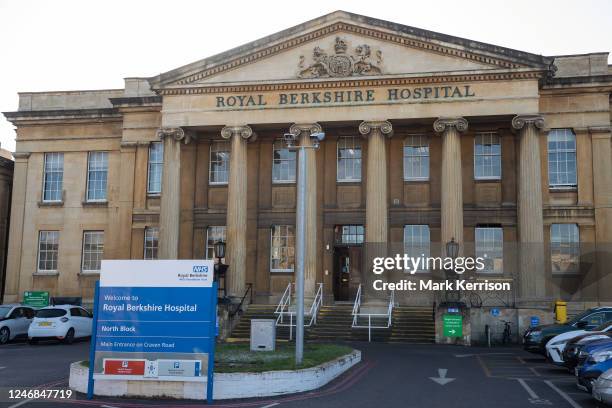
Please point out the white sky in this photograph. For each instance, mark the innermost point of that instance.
(67, 45)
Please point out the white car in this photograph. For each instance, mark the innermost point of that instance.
(62, 322)
(556, 345)
(14, 321)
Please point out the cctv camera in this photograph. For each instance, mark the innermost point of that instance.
(289, 139)
(318, 136)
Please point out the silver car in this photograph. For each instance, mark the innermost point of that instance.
(14, 321)
(602, 388)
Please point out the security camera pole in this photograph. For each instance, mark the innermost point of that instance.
(301, 237)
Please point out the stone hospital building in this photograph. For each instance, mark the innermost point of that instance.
(428, 138)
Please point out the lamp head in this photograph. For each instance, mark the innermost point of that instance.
(219, 248)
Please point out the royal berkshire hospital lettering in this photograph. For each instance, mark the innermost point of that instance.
(345, 97)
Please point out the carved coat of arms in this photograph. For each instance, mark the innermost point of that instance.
(361, 62)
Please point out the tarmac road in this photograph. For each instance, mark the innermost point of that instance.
(390, 375)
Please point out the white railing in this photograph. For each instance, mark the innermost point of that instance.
(285, 310)
(358, 316)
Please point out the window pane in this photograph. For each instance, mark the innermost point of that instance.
(151, 242)
(282, 250)
(348, 158)
(487, 156)
(565, 248)
(284, 163)
(417, 243)
(490, 247)
(562, 158)
(48, 242)
(416, 158)
(156, 164)
(53, 176)
(219, 162)
(93, 250)
(97, 174)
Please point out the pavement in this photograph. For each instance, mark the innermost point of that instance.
(390, 375)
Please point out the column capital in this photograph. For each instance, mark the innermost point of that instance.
(244, 131)
(385, 127)
(442, 124)
(21, 155)
(520, 121)
(177, 133)
(297, 128)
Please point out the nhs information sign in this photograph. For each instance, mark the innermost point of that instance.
(155, 320)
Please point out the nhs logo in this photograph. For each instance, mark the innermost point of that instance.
(200, 269)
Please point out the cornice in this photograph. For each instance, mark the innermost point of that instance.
(352, 83)
(401, 39)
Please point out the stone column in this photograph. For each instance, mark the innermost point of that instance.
(376, 229)
(237, 208)
(532, 271)
(13, 289)
(451, 205)
(601, 137)
(169, 217)
(303, 131)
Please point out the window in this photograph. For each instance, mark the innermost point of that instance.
(219, 163)
(282, 248)
(97, 173)
(490, 247)
(93, 250)
(562, 158)
(416, 158)
(416, 242)
(349, 159)
(48, 243)
(564, 248)
(487, 156)
(214, 234)
(151, 241)
(283, 165)
(156, 167)
(349, 234)
(53, 177)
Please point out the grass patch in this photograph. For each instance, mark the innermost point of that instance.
(235, 358)
(232, 358)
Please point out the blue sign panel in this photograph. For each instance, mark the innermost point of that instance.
(495, 312)
(535, 321)
(154, 320)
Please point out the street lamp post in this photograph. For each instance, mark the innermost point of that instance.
(220, 267)
(300, 236)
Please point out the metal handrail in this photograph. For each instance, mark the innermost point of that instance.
(357, 314)
(238, 308)
(284, 308)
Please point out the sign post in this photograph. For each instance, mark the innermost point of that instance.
(154, 320)
(453, 325)
(36, 299)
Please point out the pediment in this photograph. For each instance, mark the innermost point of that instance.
(347, 46)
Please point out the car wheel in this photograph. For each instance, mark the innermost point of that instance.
(5, 335)
(69, 338)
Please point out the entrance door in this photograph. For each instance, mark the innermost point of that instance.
(347, 265)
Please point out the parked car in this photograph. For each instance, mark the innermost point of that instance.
(597, 360)
(602, 388)
(14, 321)
(62, 322)
(555, 347)
(573, 348)
(536, 338)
